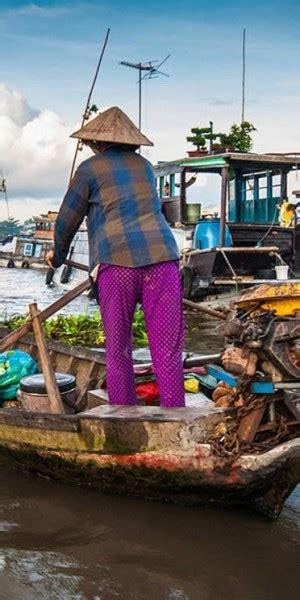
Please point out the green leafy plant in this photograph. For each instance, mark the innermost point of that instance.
(199, 137)
(80, 330)
(90, 110)
(239, 137)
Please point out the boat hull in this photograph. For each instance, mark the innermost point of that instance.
(150, 455)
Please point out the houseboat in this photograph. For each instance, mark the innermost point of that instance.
(29, 248)
(243, 241)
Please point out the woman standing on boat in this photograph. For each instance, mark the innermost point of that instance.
(133, 254)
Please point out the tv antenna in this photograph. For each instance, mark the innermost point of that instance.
(244, 75)
(151, 70)
(3, 189)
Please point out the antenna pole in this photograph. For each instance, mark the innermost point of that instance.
(7, 205)
(87, 106)
(140, 96)
(3, 189)
(150, 70)
(244, 75)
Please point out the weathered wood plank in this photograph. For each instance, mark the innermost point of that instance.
(41, 421)
(95, 355)
(56, 404)
(250, 424)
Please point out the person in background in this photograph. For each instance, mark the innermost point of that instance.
(166, 189)
(287, 213)
(133, 254)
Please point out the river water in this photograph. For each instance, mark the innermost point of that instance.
(60, 542)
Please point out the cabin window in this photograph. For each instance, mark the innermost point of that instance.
(262, 188)
(38, 250)
(28, 248)
(232, 189)
(276, 184)
(250, 189)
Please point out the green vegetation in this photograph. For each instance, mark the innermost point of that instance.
(80, 330)
(238, 138)
(199, 137)
(9, 227)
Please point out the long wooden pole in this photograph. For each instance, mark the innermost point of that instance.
(225, 171)
(208, 311)
(85, 114)
(14, 336)
(56, 404)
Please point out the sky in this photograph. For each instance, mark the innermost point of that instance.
(49, 51)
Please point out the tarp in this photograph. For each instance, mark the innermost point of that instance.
(203, 162)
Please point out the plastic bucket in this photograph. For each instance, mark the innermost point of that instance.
(192, 213)
(171, 210)
(282, 272)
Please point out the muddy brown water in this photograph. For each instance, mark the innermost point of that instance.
(60, 542)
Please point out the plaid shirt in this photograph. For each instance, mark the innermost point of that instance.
(116, 191)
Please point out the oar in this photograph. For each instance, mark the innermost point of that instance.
(207, 311)
(86, 113)
(14, 336)
(85, 117)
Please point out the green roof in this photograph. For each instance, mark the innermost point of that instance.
(207, 161)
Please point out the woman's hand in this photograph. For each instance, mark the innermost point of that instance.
(49, 259)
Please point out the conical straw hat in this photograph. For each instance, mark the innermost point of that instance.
(112, 126)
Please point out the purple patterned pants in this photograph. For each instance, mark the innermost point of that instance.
(158, 289)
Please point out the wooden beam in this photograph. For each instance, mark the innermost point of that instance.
(182, 196)
(253, 250)
(56, 404)
(283, 185)
(225, 172)
(80, 266)
(204, 309)
(189, 303)
(250, 423)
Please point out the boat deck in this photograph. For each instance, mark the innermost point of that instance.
(203, 409)
(112, 429)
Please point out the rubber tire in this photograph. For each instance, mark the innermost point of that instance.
(187, 277)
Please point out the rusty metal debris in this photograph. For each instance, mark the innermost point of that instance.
(262, 344)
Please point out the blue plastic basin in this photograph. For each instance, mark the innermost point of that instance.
(207, 234)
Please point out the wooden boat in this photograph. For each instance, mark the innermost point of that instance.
(149, 452)
(152, 453)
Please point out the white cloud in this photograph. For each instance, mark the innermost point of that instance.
(35, 149)
(36, 152)
(14, 107)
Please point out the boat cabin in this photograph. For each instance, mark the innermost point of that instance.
(243, 238)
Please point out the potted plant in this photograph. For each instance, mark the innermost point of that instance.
(198, 139)
(239, 138)
(216, 148)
